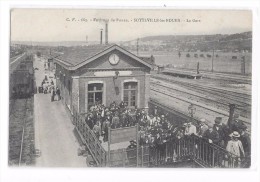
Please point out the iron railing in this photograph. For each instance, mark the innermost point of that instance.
(189, 148)
(90, 140)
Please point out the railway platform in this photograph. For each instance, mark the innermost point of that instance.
(54, 131)
(244, 79)
(183, 73)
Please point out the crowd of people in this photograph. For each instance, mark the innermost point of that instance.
(49, 87)
(156, 129)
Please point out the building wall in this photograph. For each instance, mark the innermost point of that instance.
(75, 95)
(64, 77)
(112, 88)
(146, 90)
(125, 61)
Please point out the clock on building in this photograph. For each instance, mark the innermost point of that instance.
(113, 59)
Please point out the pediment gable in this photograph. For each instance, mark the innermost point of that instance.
(101, 59)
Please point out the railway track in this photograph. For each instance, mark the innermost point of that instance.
(204, 107)
(218, 102)
(185, 115)
(21, 133)
(226, 76)
(243, 99)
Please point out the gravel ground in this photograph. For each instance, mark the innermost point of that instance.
(21, 115)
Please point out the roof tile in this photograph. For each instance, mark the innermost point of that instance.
(76, 55)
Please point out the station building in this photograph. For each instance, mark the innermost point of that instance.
(96, 74)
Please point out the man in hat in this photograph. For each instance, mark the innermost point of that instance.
(105, 127)
(115, 121)
(131, 153)
(164, 122)
(222, 130)
(58, 93)
(97, 129)
(203, 127)
(237, 124)
(132, 144)
(90, 120)
(235, 147)
(212, 136)
(122, 105)
(53, 93)
(246, 143)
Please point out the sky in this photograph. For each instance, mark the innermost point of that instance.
(56, 25)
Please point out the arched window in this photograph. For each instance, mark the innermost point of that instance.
(95, 94)
(130, 93)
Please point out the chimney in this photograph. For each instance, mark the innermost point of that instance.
(106, 34)
(101, 34)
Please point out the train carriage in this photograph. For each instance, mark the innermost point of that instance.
(22, 80)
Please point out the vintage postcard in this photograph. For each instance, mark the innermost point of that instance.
(139, 88)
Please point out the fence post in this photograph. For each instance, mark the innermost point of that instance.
(95, 146)
(166, 149)
(213, 157)
(142, 156)
(100, 153)
(108, 143)
(124, 157)
(137, 145)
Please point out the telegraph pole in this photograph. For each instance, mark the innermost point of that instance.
(243, 65)
(212, 61)
(137, 47)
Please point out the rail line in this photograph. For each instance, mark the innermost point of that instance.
(22, 140)
(221, 112)
(18, 127)
(216, 75)
(223, 102)
(227, 94)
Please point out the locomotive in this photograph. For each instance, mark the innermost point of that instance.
(22, 80)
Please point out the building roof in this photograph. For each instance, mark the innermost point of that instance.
(75, 57)
(149, 60)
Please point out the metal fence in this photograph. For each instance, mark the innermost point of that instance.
(90, 140)
(189, 148)
(128, 157)
(198, 150)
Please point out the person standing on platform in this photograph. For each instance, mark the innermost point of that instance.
(115, 121)
(212, 136)
(222, 130)
(235, 147)
(58, 93)
(105, 127)
(203, 127)
(131, 153)
(52, 94)
(97, 129)
(90, 120)
(246, 143)
(237, 124)
(190, 129)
